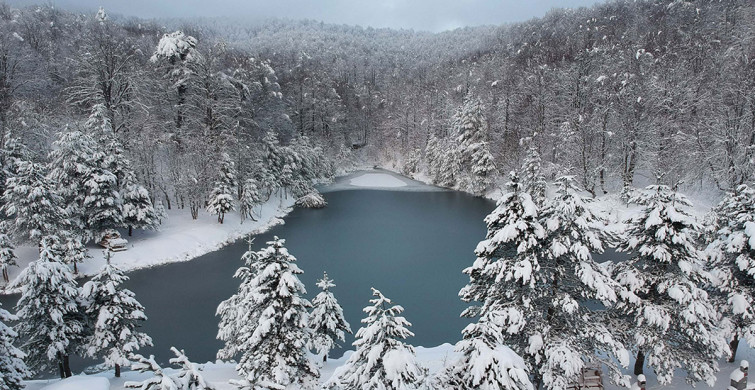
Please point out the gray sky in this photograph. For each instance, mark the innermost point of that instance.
(433, 15)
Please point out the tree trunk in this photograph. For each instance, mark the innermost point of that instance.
(117, 370)
(639, 363)
(60, 366)
(75, 268)
(130, 230)
(5, 275)
(67, 366)
(324, 357)
(733, 346)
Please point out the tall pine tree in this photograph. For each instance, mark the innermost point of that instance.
(326, 320)
(221, 197)
(7, 255)
(50, 321)
(266, 322)
(673, 324)
(382, 360)
(114, 316)
(731, 256)
(12, 367)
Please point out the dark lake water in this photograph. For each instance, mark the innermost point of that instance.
(410, 245)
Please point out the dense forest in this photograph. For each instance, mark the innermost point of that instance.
(609, 94)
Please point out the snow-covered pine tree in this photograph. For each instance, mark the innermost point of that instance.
(326, 319)
(569, 334)
(482, 166)
(533, 179)
(250, 198)
(7, 254)
(266, 321)
(503, 280)
(731, 257)
(672, 322)
(114, 316)
(272, 161)
(221, 197)
(138, 212)
(12, 367)
(509, 252)
(470, 131)
(189, 376)
(33, 204)
(235, 311)
(71, 163)
(485, 363)
(432, 157)
(450, 167)
(159, 380)
(48, 311)
(382, 360)
(74, 250)
(103, 204)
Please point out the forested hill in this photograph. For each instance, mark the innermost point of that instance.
(609, 94)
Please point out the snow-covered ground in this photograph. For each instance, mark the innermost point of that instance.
(381, 180)
(180, 238)
(218, 373)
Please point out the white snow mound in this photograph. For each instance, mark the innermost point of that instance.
(380, 180)
(80, 382)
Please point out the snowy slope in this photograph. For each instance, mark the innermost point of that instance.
(179, 239)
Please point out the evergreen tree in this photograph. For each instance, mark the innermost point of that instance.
(382, 360)
(114, 315)
(732, 260)
(71, 164)
(533, 179)
(567, 281)
(12, 367)
(326, 320)
(250, 198)
(470, 131)
(485, 363)
(138, 211)
(673, 323)
(74, 250)
(33, 204)
(267, 321)
(7, 254)
(221, 198)
(48, 311)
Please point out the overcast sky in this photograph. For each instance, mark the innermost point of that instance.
(432, 15)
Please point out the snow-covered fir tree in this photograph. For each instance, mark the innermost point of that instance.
(266, 321)
(7, 255)
(485, 362)
(189, 376)
(221, 197)
(326, 319)
(272, 161)
(50, 321)
(33, 204)
(74, 250)
(250, 198)
(382, 360)
(533, 179)
(731, 257)
(12, 367)
(71, 164)
(159, 380)
(672, 323)
(138, 212)
(569, 278)
(102, 204)
(114, 316)
(470, 131)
